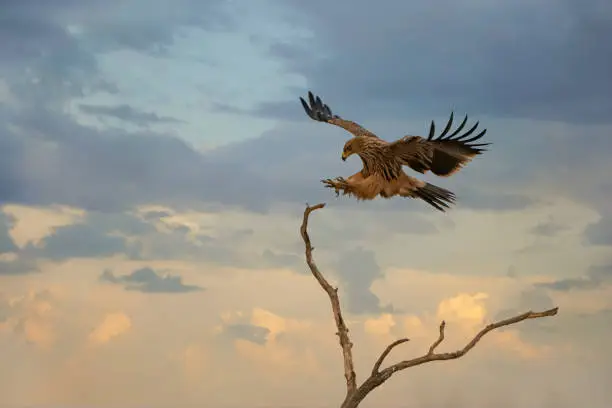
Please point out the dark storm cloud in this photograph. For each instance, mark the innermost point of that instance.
(42, 63)
(540, 60)
(141, 25)
(112, 170)
(147, 280)
(109, 170)
(127, 114)
(48, 48)
(48, 158)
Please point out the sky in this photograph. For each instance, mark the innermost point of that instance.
(155, 162)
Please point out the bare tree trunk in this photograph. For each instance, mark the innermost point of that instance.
(355, 394)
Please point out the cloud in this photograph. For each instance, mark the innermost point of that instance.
(548, 228)
(99, 235)
(135, 26)
(31, 224)
(195, 361)
(285, 156)
(154, 30)
(519, 70)
(113, 325)
(139, 236)
(534, 297)
(113, 170)
(570, 332)
(6, 241)
(260, 326)
(255, 334)
(274, 259)
(49, 156)
(381, 325)
(463, 307)
(480, 200)
(578, 333)
(149, 198)
(127, 114)
(599, 233)
(79, 241)
(595, 277)
(273, 345)
(31, 316)
(156, 215)
(357, 270)
(147, 280)
(17, 265)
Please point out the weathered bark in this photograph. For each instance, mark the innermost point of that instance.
(345, 342)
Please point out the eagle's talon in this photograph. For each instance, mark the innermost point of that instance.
(329, 183)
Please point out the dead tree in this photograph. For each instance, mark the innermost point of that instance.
(356, 393)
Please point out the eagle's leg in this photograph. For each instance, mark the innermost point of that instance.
(338, 184)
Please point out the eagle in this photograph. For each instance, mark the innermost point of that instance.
(382, 173)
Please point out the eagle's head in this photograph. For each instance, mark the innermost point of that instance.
(352, 146)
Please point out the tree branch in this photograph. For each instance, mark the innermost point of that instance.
(354, 394)
(345, 341)
(385, 354)
(379, 377)
(439, 340)
(431, 356)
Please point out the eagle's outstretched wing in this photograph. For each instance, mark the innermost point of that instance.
(320, 112)
(443, 155)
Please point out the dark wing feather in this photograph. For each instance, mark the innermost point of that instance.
(317, 110)
(443, 155)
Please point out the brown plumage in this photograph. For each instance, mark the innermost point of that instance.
(382, 173)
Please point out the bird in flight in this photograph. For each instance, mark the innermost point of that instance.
(382, 173)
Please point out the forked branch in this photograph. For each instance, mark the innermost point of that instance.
(354, 394)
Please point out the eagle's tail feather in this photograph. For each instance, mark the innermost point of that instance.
(435, 196)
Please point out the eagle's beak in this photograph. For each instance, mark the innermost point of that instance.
(344, 156)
